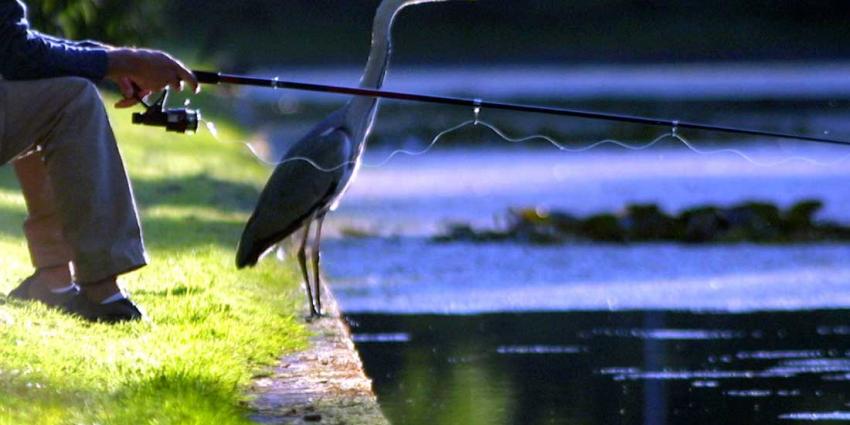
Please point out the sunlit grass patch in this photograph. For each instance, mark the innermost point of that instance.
(212, 327)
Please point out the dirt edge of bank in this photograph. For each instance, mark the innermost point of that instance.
(324, 384)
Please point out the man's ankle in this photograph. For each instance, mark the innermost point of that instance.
(53, 278)
(101, 290)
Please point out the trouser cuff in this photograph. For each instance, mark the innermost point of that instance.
(122, 259)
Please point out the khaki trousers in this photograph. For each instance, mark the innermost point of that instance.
(80, 203)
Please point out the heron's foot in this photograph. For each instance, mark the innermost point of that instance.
(317, 310)
(314, 315)
(318, 304)
(313, 311)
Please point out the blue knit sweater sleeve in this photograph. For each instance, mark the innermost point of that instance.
(28, 55)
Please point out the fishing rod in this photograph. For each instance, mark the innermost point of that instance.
(173, 119)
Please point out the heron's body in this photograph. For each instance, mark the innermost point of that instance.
(315, 173)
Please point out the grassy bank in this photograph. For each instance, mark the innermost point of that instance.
(211, 327)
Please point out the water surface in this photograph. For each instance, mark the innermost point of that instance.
(410, 199)
(703, 81)
(646, 367)
(502, 333)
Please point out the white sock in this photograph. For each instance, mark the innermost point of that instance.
(64, 290)
(118, 296)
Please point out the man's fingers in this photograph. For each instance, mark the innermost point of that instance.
(156, 71)
(188, 77)
(126, 103)
(126, 87)
(176, 84)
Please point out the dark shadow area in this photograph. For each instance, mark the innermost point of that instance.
(199, 189)
(168, 233)
(190, 232)
(196, 190)
(160, 233)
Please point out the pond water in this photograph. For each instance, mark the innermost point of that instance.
(705, 81)
(415, 195)
(645, 367)
(400, 270)
(501, 333)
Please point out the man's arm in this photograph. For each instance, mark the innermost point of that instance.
(78, 43)
(26, 54)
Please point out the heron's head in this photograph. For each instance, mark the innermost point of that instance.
(388, 8)
(404, 3)
(412, 2)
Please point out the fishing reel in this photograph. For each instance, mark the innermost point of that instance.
(178, 120)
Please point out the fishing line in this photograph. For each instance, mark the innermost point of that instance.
(673, 134)
(477, 121)
(383, 163)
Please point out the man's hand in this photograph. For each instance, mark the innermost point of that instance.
(140, 72)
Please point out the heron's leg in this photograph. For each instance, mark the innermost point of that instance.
(316, 251)
(302, 262)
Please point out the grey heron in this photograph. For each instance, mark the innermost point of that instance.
(317, 170)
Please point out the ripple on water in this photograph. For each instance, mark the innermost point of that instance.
(618, 370)
(779, 354)
(689, 375)
(539, 349)
(754, 393)
(670, 334)
(761, 393)
(833, 330)
(786, 369)
(382, 337)
(812, 366)
(817, 416)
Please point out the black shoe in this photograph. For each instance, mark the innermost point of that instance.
(118, 311)
(60, 300)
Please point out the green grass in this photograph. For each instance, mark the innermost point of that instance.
(211, 329)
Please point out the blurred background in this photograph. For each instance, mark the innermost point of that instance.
(324, 32)
(724, 61)
(461, 314)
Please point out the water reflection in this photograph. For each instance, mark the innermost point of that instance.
(651, 367)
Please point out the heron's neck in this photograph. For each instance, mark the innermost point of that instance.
(379, 54)
(379, 59)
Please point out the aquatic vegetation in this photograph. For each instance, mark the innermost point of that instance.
(745, 222)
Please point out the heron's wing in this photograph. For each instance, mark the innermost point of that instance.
(296, 190)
